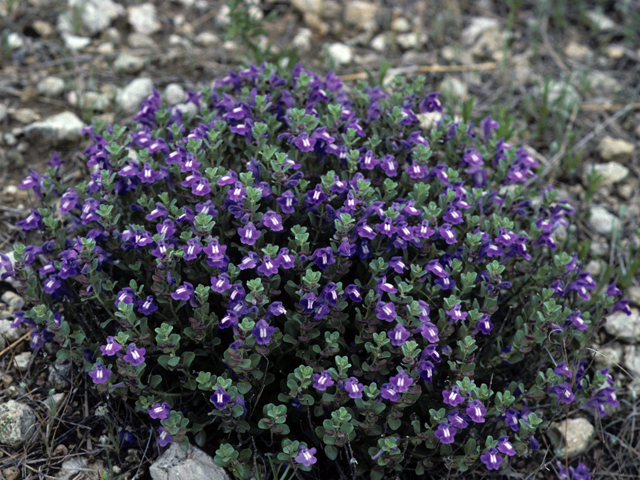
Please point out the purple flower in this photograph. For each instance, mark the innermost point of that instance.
(622, 306)
(484, 325)
(249, 234)
(316, 196)
(368, 161)
(353, 292)
(221, 283)
(397, 264)
(148, 175)
(455, 418)
(401, 382)
(192, 249)
(386, 227)
(389, 165)
(160, 411)
(434, 267)
(430, 103)
(287, 201)
(33, 221)
(473, 157)
(285, 259)
(304, 142)
(353, 387)
(229, 320)
(423, 230)
(306, 456)
(69, 201)
(491, 458)
(504, 446)
(322, 381)
(581, 472)
(200, 187)
(386, 311)
(398, 335)
(183, 292)
(135, 356)
(220, 398)
(147, 306)
(488, 124)
(250, 261)
(511, 419)
(453, 215)
(389, 392)
(565, 395)
(429, 331)
(99, 374)
(447, 233)
(323, 257)
(111, 348)
(476, 411)
(269, 267)
(164, 438)
(453, 398)
(52, 284)
(612, 290)
(456, 314)
(272, 221)
(563, 369)
(126, 296)
(262, 332)
(445, 433)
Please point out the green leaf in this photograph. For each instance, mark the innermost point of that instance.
(394, 423)
(187, 358)
(155, 381)
(331, 452)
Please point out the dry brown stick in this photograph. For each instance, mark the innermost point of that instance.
(24, 337)
(608, 108)
(556, 158)
(545, 40)
(432, 69)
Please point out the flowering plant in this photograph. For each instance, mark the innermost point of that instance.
(307, 266)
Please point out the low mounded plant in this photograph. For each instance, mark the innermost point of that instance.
(302, 274)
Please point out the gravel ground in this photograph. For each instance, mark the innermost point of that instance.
(563, 75)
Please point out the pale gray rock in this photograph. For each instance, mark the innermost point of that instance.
(207, 39)
(430, 120)
(44, 29)
(379, 42)
(174, 94)
(189, 110)
(95, 101)
(601, 22)
(25, 115)
(578, 433)
(561, 94)
(477, 27)
(611, 172)
(401, 25)
(604, 222)
(599, 249)
(72, 468)
(144, 18)
(139, 40)
(96, 15)
(489, 45)
(602, 84)
(577, 51)
(7, 332)
(22, 361)
(19, 423)
(615, 149)
(65, 126)
(607, 357)
(13, 300)
(454, 87)
(624, 327)
(302, 40)
(127, 62)
(60, 374)
(594, 268)
(308, 6)
(3, 112)
(411, 40)
(175, 463)
(340, 53)
(75, 42)
(633, 294)
(632, 359)
(222, 17)
(3, 270)
(50, 87)
(14, 41)
(133, 94)
(361, 14)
